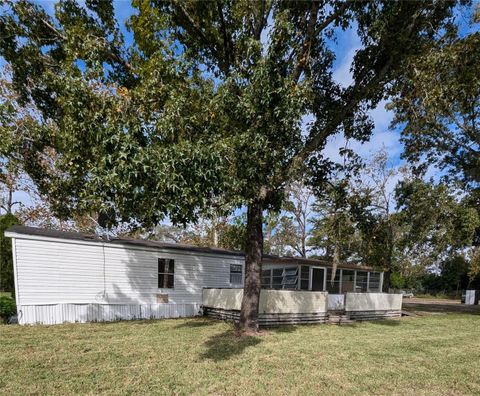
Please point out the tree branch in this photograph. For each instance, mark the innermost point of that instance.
(227, 43)
(312, 31)
(357, 94)
(111, 54)
(197, 30)
(263, 19)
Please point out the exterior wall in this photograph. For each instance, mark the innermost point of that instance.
(279, 307)
(288, 301)
(336, 302)
(223, 298)
(271, 301)
(75, 281)
(372, 302)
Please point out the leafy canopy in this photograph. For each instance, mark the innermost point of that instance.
(201, 105)
(438, 108)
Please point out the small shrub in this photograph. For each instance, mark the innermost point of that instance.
(7, 307)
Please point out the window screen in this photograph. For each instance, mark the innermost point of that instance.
(280, 278)
(166, 273)
(333, 287)
(348, 279)
(362, 278)
(290, 278)
(374, 282)
(236, 274)
(266, 279)
(304, 277)
(277, 278)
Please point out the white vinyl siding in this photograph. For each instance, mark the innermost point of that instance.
(63, 271)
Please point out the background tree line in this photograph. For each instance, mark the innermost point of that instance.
(420, 232)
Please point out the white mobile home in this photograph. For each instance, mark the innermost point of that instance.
(75, 277)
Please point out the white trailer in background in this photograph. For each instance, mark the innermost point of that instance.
(472, 297)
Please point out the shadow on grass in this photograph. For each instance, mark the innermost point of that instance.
(225, 345)
(228, 344)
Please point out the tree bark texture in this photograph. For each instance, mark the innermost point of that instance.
(253, 267)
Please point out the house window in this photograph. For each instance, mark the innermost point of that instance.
(333, 286)
(362, 282)
(277, 278)
(236, 274)
(348, 281)
(266, 279)
(290, 278)
(280, 278)
(304, 277)
(374, 282)
(166, 272)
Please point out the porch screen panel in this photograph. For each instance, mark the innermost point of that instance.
(348, 281)
(290, 278)
(277, 278)
(333, 287)
(374, 282)
(304, 277)
(266, 279)
(362, 279)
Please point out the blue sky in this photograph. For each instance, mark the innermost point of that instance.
(347, 44)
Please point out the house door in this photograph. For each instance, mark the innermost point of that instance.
(317, 279)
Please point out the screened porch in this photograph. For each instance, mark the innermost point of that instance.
(318, 278)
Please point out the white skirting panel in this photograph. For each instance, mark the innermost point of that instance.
(83, 313)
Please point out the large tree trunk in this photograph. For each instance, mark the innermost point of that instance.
(253, 267)
(386, 280)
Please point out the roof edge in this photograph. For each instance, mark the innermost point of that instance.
(15, 230)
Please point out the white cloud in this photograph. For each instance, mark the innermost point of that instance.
(381, 137)
(343, 74)
(350, 44)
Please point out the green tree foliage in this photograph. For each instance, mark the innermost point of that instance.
(357, 221)
(474, 267)
(388, 219)
(397, 281)
(451, 277)
(333, 227)
(438, 108)
(438, 224)
(6, 260)
(203, 109)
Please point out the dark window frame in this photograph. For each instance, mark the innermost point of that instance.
(166, 273)
(235, 270)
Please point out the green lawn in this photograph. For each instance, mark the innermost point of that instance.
(437, 354)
